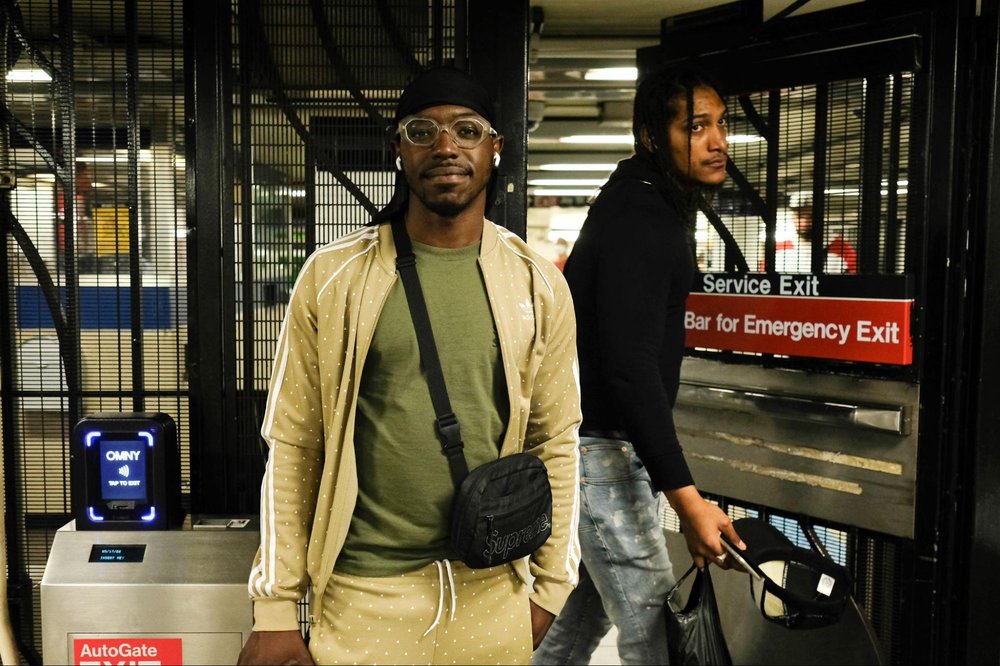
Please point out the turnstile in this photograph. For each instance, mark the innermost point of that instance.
(157, 597)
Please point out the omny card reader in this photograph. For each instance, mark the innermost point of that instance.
(126, 472)
(130, 581)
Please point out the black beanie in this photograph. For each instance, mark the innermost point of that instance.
(434, 87)
(445, 85)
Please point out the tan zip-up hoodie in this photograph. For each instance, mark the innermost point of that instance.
(310, 484)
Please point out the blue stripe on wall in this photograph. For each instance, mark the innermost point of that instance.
(100, 307)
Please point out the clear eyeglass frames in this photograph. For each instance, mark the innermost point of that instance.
(466, 131)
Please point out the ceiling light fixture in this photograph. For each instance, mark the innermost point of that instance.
(577, 167)
(570, 182)
(853, 191)
(27, 75)
(625, 139)
(120, 155)
(564, 192)
(569, 221)
(628, 139)
(612, 74)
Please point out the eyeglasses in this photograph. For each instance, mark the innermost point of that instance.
(466, 132)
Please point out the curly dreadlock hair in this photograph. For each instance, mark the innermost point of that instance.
(662, 95)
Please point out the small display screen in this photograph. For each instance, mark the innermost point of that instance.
(112, 553)
(123, 470)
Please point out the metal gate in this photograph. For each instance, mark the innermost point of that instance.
(849, 435)
(92, 304)
(298, 95)
(165, 168)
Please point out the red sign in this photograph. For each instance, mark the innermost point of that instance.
(875, 330)
(130, 651)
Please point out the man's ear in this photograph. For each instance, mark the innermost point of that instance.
(498, 143)
(647, 141)
(395, 153)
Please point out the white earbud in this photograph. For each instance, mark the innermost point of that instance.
(399, 163)
(496, 159)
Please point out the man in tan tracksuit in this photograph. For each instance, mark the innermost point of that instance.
(356, 494)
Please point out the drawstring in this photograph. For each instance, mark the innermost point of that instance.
(440, 597)
(451, 586)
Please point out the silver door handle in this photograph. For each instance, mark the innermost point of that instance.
(888, 418)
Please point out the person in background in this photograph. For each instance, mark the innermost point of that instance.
(795, 255)
(356, 495)
(562, 253)
(630, 272)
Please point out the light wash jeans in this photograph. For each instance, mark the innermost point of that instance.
(625, 573)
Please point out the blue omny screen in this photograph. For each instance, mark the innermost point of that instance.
(123, 470)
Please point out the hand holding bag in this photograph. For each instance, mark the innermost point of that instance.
(694, 633)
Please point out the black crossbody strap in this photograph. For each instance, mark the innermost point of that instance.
(447, 422)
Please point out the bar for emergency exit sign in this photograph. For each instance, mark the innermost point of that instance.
(873, 330)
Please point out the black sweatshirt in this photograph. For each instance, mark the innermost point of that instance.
(630, 272)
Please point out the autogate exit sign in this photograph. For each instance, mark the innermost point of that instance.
(130, 651)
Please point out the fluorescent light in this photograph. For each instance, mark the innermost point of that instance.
(567, 220)
(564, 192)
(95, 159)
(120, 155)
(853, 191)
(612, 74)
(577, 167)
(23, 75)
(628, 139)
(559, 182)
(625, 139)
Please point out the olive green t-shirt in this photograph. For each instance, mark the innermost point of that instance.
(401, 521)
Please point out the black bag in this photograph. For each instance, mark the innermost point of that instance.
(694, 634)
(502, 511)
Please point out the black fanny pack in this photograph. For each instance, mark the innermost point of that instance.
(502, 511)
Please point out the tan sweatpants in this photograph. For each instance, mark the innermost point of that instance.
(443, 613)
